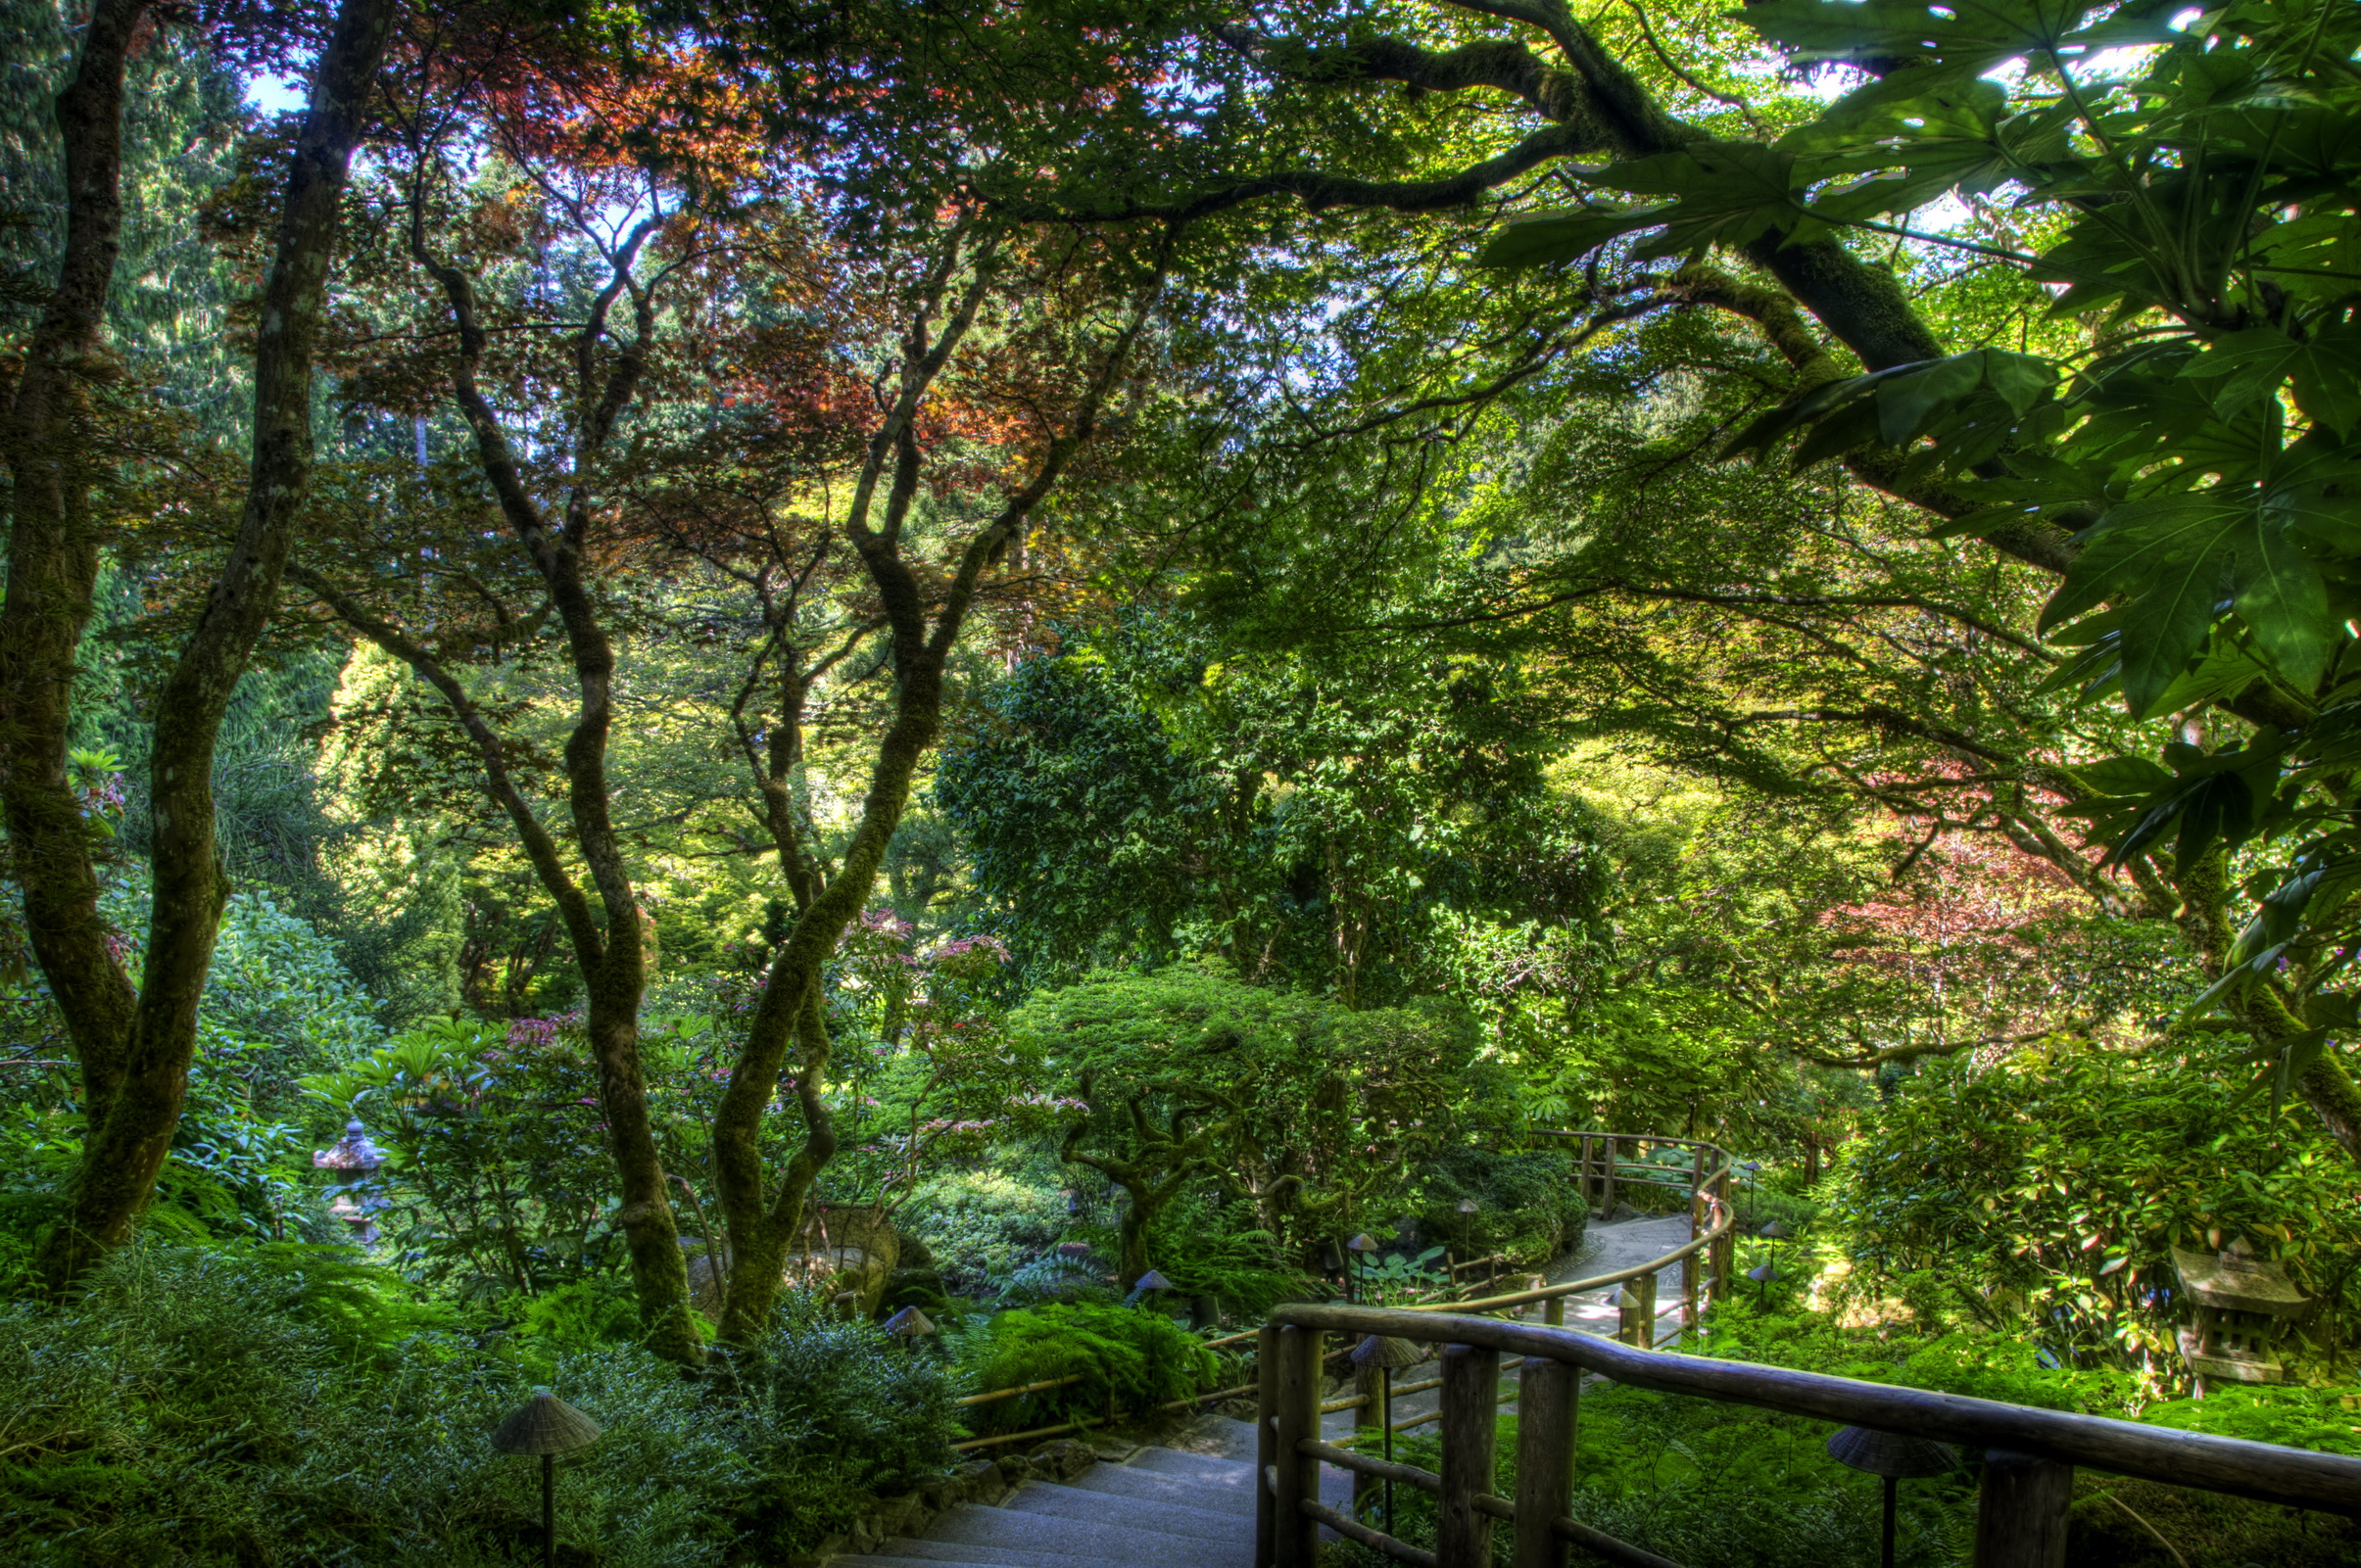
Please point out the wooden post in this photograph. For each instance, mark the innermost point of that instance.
(1607, 1201)
(1367, 1417)
(1725, 1249)
(1692, 1266)
(1552, 1311)
(1548, 1399)
(1470, 1401)
(1583, 1172)
(1631, 1320)
(2021, 1511)
(1295, 1533)
(1265, 1442)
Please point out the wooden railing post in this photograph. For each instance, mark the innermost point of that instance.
(1607, 1201)
(1584, 1178)
(1471, 1414)
(1367, 1417)
(1295, 1533)
(1548, 1399)
(1265, 1442)
(1692, 1267)
(2021, 1511)
(1725, 1247)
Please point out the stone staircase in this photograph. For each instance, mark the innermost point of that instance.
(1147, 1508)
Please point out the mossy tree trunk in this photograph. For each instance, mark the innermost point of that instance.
(135, 1044)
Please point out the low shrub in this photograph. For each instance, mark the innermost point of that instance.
(1136, 1356)
(1528, 1205)
(983, 1226)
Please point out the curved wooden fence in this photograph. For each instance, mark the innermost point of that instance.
(2029, 1454)
(1604, 1171)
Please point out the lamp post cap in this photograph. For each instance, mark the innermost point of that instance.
(909, 1323)
(1890, 1453)
(545, 1425)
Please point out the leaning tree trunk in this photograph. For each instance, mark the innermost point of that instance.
(136, 1077)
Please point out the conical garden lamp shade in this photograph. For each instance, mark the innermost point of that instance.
(1152, 1280)
(1363, 1243)
(1774, 1232)
(1890, 1453)
(1384, 1350)
(1893, 1457)
(909, 1323)
(549, 1426)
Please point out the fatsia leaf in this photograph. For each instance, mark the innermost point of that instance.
(1551, 237)
(2325, 369)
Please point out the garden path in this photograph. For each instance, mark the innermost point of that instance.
(1604, 1250)
(1190, 1501)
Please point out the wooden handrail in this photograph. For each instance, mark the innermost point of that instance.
(1700, 1186)
(2266, 1472)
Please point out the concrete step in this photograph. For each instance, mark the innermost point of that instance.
(1238, 1473)
(963, 1555)
(1042, 1534)
(1136, 1514)
(1209, 1497)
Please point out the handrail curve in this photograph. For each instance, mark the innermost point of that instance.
(2266, 1472)
(1708, 1186)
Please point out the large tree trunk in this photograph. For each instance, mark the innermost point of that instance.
(52, 568)
(136, 1050)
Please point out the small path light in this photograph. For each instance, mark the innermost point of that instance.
(1360, 1247)
(1894, 1457)
(1468, 1208)
(1149, 1281)
(1385, 1352)
(1769, 1270)
(909, 1325)
(549, 1426)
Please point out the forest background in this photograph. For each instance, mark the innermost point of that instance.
(1148, 630)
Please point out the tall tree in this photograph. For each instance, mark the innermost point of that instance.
(133, 1043)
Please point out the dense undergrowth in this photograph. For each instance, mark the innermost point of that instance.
(284, 1405)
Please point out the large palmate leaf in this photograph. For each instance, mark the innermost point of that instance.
(1915, 46)
(2322, 370)
(1720, 193)
(1551, 237)
(2175, 562)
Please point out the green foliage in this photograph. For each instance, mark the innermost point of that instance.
(1143, 795)
(981, 1224)
(1135, 1354)
(2044, 1192)
(335, 1417)
(1209, 1248)
(498, 1181)
(1527, 1203)
(845, 1413)
(1323, 1110)
(1702, 1482)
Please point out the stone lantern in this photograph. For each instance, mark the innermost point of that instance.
(2244, 1305)
(353, 1162)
